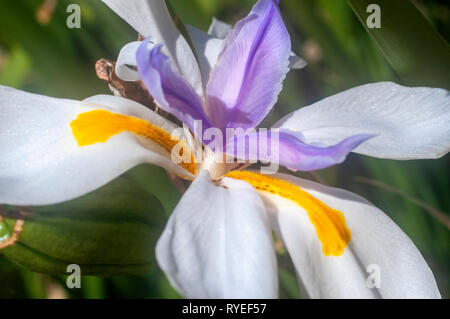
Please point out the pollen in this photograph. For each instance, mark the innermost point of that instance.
(98, 126)
(329, 223)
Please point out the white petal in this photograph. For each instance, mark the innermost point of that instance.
(218, 243)
(219, 29)
(151, 18)
(411, 123)
(376, 240)
(41, 162)
(207, 48)
(127, 57)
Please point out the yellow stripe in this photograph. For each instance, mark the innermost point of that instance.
(329, 223)
(99, 125)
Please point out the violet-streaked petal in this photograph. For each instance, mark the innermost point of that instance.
(288, 149)
(219, 30)
(245, 83)
(169, 90)
(297, 155)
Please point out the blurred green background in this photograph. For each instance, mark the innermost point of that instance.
(38, 53)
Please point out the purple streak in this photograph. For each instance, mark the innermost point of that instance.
(170, 91)
(290, 151)
(245, 83)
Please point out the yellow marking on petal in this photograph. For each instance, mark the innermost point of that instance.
(98, 126)
(329, 223)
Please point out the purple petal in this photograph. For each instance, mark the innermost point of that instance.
(288, 149)
(169, 90)
(245, 83)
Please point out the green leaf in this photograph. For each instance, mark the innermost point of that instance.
(15, 68)
(309, 20)
(111, 231)
(417, 53)
(5, 232)
(155, 180)
(288, 284)
(11, 284)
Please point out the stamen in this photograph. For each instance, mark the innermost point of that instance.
(99, 125)
(329, 223)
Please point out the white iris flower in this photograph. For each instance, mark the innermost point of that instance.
(218, 242)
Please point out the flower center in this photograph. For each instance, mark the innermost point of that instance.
(98, 126)
(329, 223)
